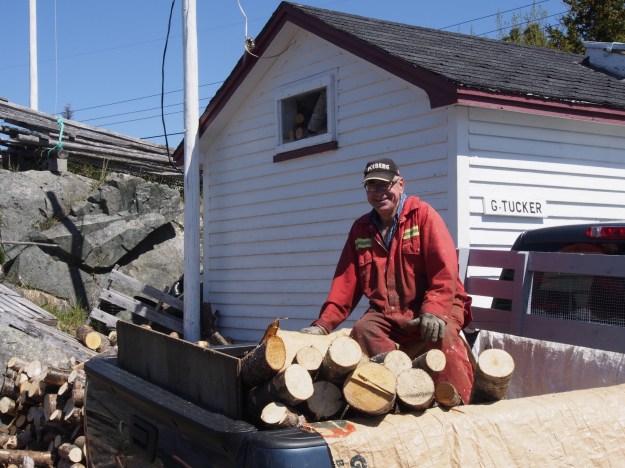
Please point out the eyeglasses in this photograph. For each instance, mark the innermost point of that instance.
(378, 186)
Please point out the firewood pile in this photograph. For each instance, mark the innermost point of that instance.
(292, 378)
(41, 414)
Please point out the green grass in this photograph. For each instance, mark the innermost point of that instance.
(69, 319)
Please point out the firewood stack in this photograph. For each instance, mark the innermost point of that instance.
(41, 415)
(292, 378)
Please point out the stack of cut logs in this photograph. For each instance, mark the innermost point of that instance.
(41, 415)
(293, 378)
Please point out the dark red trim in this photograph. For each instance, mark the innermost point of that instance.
(512, 102)
(307, 151)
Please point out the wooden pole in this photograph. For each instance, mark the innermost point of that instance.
(191, 321)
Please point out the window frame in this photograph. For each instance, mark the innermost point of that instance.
(313, 144)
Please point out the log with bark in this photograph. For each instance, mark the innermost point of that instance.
(291, 386)
(89, 337)
(446, 395)
(342, 357)
(277, 414)
(432, 362)
(263, 362)
(492, 376)
(310, 358)
(326, 400)
(294, 341)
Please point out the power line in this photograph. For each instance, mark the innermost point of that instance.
(137, 111)
(143, 97)
(494, 14)
(524, 23)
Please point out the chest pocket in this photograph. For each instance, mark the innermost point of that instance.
(365, 259)
(411, 241)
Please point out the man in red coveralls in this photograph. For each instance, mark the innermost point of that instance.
(403, 259)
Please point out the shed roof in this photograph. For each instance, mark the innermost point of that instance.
(451, 67)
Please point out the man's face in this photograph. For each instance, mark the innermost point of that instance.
(385, 198)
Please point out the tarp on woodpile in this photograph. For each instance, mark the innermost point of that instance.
(571, 428)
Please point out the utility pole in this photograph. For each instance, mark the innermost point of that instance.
(34, 91)
(191, 321)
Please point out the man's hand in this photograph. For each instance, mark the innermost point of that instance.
(432, 328)
(314, 330)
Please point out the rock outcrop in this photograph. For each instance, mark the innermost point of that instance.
(90, 227)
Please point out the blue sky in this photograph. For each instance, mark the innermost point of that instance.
(104, 58)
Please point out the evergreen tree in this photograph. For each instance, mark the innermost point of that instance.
(68, 112)
(527, 28)
(589, 20)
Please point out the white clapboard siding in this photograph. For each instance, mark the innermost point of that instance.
(276, 230)
(577, 167)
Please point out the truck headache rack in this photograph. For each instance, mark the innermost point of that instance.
(569, 298)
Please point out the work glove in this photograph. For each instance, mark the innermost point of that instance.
(432, 328)
(314, 330)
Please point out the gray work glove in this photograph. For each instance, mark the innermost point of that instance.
(314, 330)
(432, 328)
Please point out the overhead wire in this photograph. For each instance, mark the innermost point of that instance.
(248, 44)
(171, 11)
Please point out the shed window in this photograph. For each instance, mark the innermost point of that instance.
(305, 117)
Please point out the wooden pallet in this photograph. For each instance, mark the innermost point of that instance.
(161, 313)
(12, 302)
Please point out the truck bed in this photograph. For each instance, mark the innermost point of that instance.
(136, 423)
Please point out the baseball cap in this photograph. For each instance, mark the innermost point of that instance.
(381, 169)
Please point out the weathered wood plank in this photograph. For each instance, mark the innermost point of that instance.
(46, 333)
(140, 309)
(26, 308)
(104, 317)
(132, 283)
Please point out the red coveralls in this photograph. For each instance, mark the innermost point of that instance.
(418, 275)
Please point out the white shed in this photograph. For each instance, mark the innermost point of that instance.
(498, 137)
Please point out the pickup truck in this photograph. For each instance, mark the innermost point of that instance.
(134, 418)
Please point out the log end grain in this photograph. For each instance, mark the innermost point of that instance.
(326, 401)
(446, 395)
(415, 389)
(371, 389)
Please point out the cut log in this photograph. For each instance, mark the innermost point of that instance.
(415, 389)
(395, 360)
(55, 376)
(16, 364)
(78, 393)
(89, 337)
(432, 362)
(326, 400)
(310, 358)
(69, 452)
(371, 389)
(175, 334)
(263, 362)
(36, 390)
(76, 375)
(105, 344)
(33, 369)
(203, 344)
(17, 457)
(294, 341)
(291, 386)
(446, 395)
(51, 402)
(9, 388)
(277, 414)
(492, 376)
(113, 338)
(342, 357)
(8, 406)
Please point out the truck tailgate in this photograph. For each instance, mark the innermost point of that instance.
(132, 422)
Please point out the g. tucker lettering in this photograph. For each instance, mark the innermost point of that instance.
(508, 207)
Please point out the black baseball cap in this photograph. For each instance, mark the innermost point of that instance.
(381, 169)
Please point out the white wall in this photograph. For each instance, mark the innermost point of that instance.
(577, 167)
(276, 229)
